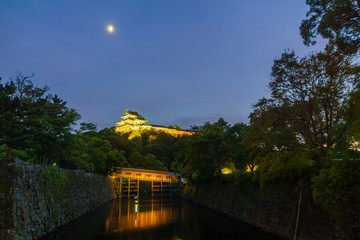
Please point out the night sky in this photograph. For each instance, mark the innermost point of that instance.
(180, 62)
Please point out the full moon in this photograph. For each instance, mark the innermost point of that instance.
(110, 28)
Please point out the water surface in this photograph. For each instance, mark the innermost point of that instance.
(158, 219)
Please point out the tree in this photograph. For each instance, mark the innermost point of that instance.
(303, 118)
(336, 190)
(239, 154)
(8, 121)
(149, 161)
(206, 152)
(87, 128)
(120, 142)
(52, 129)
(94, 154)
(30, 118)
(337, 20)
(19, 100)
(333, 188)
(162, 145)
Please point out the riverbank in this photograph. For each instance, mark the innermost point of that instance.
(273, 208)
(36, 199)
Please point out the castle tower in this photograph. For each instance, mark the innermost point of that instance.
(132, 122)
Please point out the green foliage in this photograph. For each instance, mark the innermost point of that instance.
(177, 167)
(337, 20)
(149, 161)
(213, 147)
(87, 127)
(162, 145)
(180, 164)
(284, 167)
(302, 120)
(17, 96)
(237, 178)
(52, 179)
(242, 178)
(31, 119)
(53, 130)
(337, 188)
(175, 127)
(239, 154)
(54, 176)
(120, 142)
(26, 154)
(350, 144)
(206, 152)
(94, 154)
(153, 151)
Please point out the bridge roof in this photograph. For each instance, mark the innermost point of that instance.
(147, 171)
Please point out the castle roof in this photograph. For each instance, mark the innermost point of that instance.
(132, 112)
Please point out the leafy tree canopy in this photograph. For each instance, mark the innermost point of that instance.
(304, 117)
(149, 161)
(93, 154)
(239, 154)
(206, 152)
(337, 20)
(30, 118)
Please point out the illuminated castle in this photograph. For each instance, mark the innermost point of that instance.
(134, 124)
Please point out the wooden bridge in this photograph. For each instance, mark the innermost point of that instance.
(126, 182)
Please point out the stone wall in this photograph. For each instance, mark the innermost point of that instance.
(36, 199)
(6, 202)
(273, 209)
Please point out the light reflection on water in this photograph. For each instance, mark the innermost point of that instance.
(130, 215)
(158, 219)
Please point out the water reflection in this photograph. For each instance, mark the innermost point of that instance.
(130, 215)
(156, 219)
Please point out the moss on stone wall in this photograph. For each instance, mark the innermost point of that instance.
(6, 201)
(44, 198)
(272, 208)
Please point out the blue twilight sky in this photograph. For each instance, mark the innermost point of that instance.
(180, 62)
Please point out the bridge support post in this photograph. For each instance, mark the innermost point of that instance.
(170, 190)
(120, 187)
(161, 194)
(152, 189)
(128, 187)
(138, 188)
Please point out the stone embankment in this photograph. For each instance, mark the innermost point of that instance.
(272, 208)
(35, 199)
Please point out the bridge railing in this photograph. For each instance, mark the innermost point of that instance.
(126, 180)
(147, 175)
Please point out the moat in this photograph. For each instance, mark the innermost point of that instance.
(156, 219)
